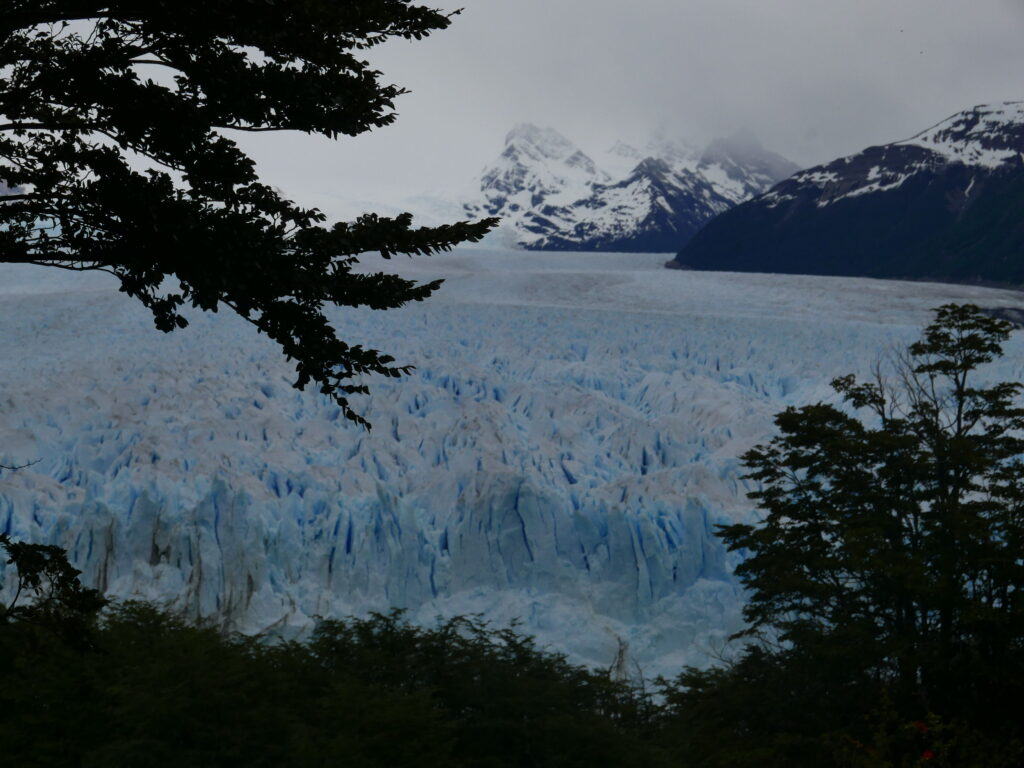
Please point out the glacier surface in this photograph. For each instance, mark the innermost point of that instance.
(560, 455)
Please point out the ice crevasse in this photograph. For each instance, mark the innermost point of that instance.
(561, 454)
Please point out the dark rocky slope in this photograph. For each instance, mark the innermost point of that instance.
(947, 204)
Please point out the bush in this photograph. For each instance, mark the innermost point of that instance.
(150, 689)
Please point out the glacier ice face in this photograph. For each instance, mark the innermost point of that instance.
(560, 455)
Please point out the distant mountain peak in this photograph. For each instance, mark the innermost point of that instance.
(986, 135)
(553, 195)
(539, 141)
(622, 149)
(652, 166)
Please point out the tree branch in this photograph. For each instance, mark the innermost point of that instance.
(81, 267)
(16, 467)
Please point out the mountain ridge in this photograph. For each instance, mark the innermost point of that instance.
(945, 204)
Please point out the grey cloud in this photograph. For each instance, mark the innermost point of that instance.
(811, 79)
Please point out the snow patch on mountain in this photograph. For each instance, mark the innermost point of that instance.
(986, 136)
(984, 139)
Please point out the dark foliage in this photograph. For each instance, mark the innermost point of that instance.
(766, 710)
(886, 579)
(150, 689)
(59, 602)
(115, 133)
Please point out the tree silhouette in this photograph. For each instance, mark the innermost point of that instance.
(115, 123)
(885, 579)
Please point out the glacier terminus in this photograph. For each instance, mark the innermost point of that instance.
(560, 455)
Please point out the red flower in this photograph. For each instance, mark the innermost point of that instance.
(921, 727)
(927, 754)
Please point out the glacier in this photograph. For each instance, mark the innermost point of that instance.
(560, 456)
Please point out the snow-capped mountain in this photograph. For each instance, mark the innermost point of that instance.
(553, 196)
(561, 453)
(947, 203)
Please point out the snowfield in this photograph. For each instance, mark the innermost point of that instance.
(560, 455)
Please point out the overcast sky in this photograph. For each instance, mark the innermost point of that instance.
(811, 79)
